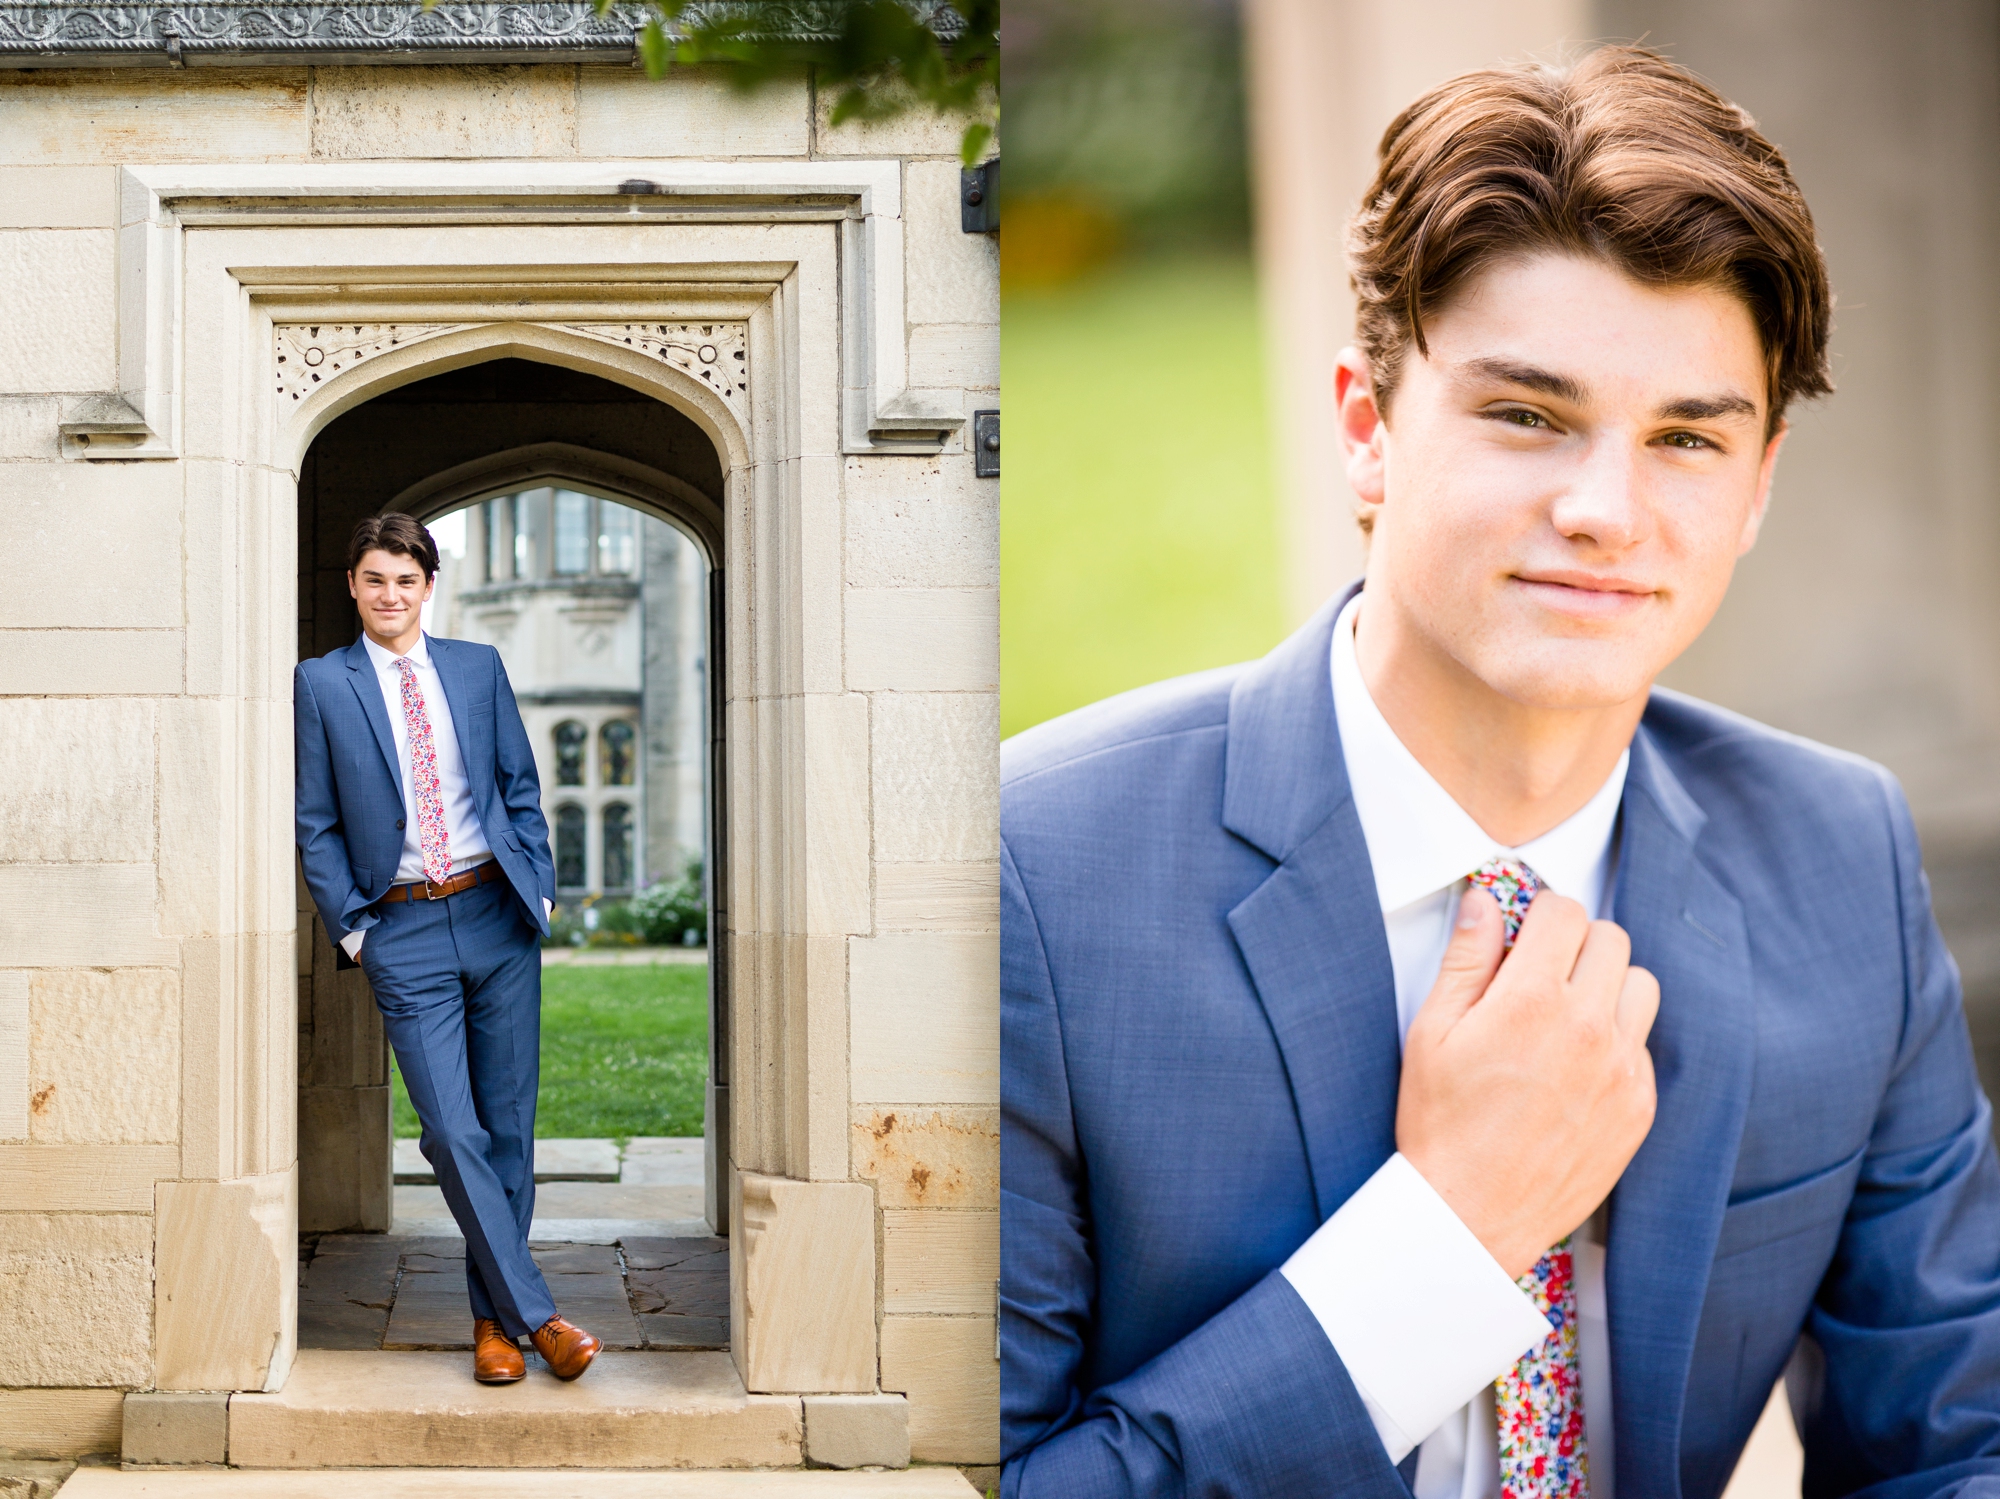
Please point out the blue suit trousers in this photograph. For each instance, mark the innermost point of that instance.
(459, 984)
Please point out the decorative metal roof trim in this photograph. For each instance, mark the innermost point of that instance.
(250, 33)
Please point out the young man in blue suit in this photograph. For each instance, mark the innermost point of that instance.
(421, 832)
(1310, 1186)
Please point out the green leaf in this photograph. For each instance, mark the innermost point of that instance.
(973, 146)
(655, 51)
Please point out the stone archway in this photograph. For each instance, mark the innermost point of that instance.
(406, 450)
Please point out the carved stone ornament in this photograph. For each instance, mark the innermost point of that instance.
(310, 354)
(252, 32)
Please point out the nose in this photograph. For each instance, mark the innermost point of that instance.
(1602, 503)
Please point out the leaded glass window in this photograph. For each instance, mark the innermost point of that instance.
(615, 757)
(569, 847)
(571, 737)
(617, 847)
(572, 532)
(617, 538)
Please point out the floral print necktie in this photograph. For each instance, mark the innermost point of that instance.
(1538, 1404)
(424, 775)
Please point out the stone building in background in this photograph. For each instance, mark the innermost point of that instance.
(272, 268)
(600, 613)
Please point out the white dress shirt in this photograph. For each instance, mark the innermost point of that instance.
(461, 817)
(1441, 1321)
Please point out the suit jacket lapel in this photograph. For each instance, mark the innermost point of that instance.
(1311, 934)
(368, 688)
(1667, 1210)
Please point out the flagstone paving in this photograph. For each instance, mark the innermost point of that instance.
(360, 1291)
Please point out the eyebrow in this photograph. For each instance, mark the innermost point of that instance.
(1567, 388)
(1530, 377)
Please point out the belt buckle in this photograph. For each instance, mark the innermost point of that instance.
(431, 891)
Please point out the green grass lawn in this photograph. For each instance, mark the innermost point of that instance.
(624, 1052)
(1138, 526)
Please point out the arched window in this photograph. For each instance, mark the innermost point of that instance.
(617, 847)
(571, 737)
(615, 758)
(569, 847)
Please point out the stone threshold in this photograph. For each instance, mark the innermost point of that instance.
(424, 1410)
(435, 1483)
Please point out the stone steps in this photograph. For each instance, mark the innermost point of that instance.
(364, 1409)
(462, 1483)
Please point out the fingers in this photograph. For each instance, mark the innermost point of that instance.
(1552, 934)
(1602, 961)
(1469, 962)
(1638, 1005)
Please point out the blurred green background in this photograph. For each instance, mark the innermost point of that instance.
(1138, 530)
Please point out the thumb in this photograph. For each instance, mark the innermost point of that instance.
(1478, 940)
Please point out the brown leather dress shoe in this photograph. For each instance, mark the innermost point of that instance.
(496, 1358)
(566, 1348)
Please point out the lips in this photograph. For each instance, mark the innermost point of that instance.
(1584, 596)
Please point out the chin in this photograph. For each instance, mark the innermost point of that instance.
(1568, 678)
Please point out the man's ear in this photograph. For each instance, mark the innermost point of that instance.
(1754, 521)
(352, 591)
(1363, 434)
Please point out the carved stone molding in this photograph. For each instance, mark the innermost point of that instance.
(311, 354)
(245, 32)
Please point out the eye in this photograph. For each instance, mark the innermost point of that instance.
(1521, 416)
(1688, 441)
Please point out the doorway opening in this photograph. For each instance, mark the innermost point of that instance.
(579, 525)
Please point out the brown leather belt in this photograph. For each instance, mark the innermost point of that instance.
(479, 874)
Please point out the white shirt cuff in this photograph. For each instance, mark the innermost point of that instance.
(351, 943)
(1421, 1315)
(548, 908)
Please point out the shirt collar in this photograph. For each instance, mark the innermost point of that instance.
(420, 653)
(1419, 839)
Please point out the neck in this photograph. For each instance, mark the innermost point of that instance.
(397, 645)
(1517, 769)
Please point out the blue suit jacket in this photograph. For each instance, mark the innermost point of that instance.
(350, 787)
(1200, 1064)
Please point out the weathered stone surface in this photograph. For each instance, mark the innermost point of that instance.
(955, 356)
(83, 1283)
(27, 1478)
(124, 516)
(478, 1483)
(83, 1178)
(658, 1254)
(369, 1410)
(857, 1431)
(924, 1016)
(28, 428)
(932, 801)
(803, 1296)
(929, 1157)
(104, 1056)
(918, 131)
(916, 522)
(79, 784)
(923, 640)
(13, 1054)
(952, 276)
(79, 663)
(53, 1424)
(693, 111)
(227, 1283)
(75, 915)
(947, 1368)
(58, 197)
(938, 896)
(221, 114)
(671, 1330)
(663, 1161)
(836, 830)
(449, 111)
(61, 327)
(576, 1259)
(344, 1140)
(165, 1426)
(940, 1262)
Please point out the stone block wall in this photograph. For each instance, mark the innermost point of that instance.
(148, 958)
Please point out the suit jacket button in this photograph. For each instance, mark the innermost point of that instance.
(399, 822)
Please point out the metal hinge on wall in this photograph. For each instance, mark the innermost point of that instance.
(986, 444)
(979, 197)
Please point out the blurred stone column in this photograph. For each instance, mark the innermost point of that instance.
(1326, 78)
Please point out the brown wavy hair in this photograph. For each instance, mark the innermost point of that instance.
(1624, 156)
(397, 534)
